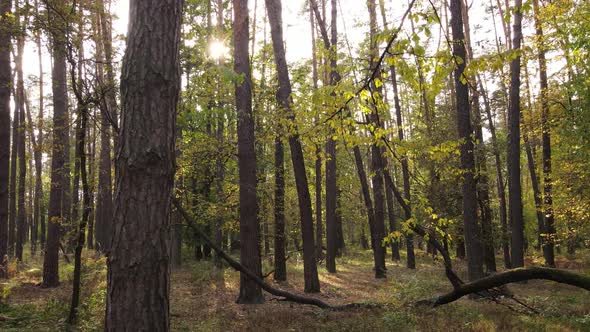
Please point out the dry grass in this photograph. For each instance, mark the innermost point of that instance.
(203, 299)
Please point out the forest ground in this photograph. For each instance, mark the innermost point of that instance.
(203, 299)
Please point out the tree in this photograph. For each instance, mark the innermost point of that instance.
(107, 106)
(312, 283)
(250, 292)
(549, 228)
(138, 278)
(5, 82)
(514, 186)
(471, 228)
(59, 186)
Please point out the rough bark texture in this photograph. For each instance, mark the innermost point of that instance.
(471, 229)
(138, 278)
(250, 291)
(312, 283)
(5, 82)
(59, 186)
(514, 186)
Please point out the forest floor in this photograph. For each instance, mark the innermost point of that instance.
(203, 299)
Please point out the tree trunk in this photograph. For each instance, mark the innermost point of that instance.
(549, 228)
(318, 161)
(5, 83)
(499, 179)
(138, 278)
(514, 185)
(312, 283)
(13, 169)
(250, 292)
(472, 233)
(104, 199)
(21, 148)
(86, 209)
(59, 186)
(482, 183)
(39, 204)
(279, 213)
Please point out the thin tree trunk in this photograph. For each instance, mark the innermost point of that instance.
(482, 183)
(87, 209)
(21, 148)
(138, 278)
(312, 283)
(549, 228)
(377, 165)
(318, 161)
(514, 186)
(104, 200)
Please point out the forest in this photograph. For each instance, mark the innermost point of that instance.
(298, 165)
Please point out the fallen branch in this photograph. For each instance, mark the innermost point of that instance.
(510, 276)
(288, 296)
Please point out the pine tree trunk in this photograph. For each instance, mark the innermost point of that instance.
(104, 200)
(138, 278)
(5, 82)
(514, 186)
(312, 283)
(250, 291)
(21, 149)
(549, 228)
(472, 232)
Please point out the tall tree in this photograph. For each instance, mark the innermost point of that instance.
(514, 185)
(5, 83)
(312, 283)
(549, 228)
(59, 186)
(250, 291)
(377, 165)
(20, 142)
(138, 278)
(482, 183)
(471, 228)
(104, 199)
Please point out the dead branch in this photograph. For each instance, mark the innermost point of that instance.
(288, 296)
(510, 276)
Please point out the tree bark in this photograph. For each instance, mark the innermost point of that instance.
(104, 199)
(138, 278)
(250, 292)
(5, 83)
(482, 183)
(549, 228)
(312, 283)
(59, 185)
(514, 185)
(279, 213)
(472, 233)
(499, 178)
(21, 147)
